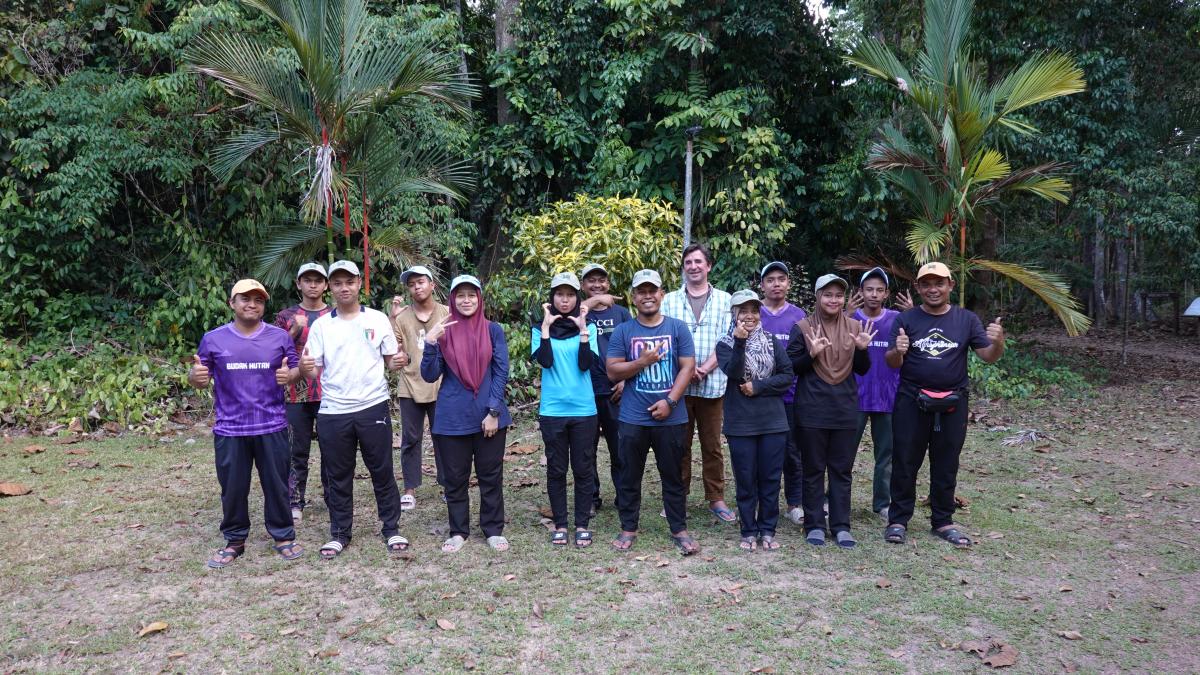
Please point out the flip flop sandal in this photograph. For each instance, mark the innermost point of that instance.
(623, 538)
(289, 551)
(231, 551)
(845, 539)
(332, 550)
(723, 514)
(453, 544)
(497, 543)
(408, 503)
(895, 534)
(397, 544)
(769, 543)
(815, 537)
(687, 545)
(558, 538)
(955, 537)
(583, 538)
(748, 544)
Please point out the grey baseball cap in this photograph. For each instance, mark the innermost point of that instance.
(311, 267)
(875, 272)
(465, 279)
(773, 265)
(592, 267)
(827, 279)
(415, 269)
(646, 277)
(564, 279)
(344, 266)
(742, 297)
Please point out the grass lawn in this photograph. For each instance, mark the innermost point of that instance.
(1095, 530)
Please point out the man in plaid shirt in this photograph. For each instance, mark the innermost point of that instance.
(706, 311)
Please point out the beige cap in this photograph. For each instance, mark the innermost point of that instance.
(934, 269)
(247, 286)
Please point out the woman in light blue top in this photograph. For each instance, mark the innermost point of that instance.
(564, 345)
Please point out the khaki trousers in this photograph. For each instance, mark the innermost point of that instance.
(705, 413)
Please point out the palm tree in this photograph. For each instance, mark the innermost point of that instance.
(328, 92)
(944, 164)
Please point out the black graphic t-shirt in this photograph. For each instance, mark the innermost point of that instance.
(606, 321)
(937, 351)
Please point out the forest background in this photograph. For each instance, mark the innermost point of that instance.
(118, 241)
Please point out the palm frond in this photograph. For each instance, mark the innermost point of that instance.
(861, 262)
(396, 245)
(946, 26)
(1051, 288)
(286, 247)
(249, 71)
(987, 165)
(1039, 180)
(394, 168)
(878, 60)
(927, 238)
(237, 149)
(1043, 77)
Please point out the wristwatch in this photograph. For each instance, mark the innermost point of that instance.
(492, 412)
(672, 403)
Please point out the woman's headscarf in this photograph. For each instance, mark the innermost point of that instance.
(834, 362)
(563, 327)
(760, 351)
(467, 345)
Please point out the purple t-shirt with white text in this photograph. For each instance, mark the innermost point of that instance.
(780, 325)
(877, 389)
(246, 398)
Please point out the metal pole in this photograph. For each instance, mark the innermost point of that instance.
(687, 196)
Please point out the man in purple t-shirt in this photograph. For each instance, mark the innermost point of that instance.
(877, 389)
(778, 317)
(249, 363)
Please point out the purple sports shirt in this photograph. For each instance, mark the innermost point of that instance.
(246, 398)
(780, 325)
(877, 389)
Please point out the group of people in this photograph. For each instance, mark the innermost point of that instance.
(792, 393)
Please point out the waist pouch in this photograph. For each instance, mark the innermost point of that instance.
(937, 402)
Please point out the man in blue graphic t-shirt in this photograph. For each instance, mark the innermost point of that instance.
(654, 355)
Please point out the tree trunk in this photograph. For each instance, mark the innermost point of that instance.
(985, 279)
(1099, 244)
(462, 53)
(505, 11)
(1122, 269)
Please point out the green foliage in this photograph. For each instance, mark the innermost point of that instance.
(43, 384)
(623, 234)
(1025, 371)
(524, 374)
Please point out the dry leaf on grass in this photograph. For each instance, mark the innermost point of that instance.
(446, 624)
(764, 669)
(288, 631)
(33, 449)
(328, 653)
(883, 582)
(520, 449)
(1065, 589)
(153, 627)
(1070, 634)
(176, 655)
(509, 577)
(537, 609)
(14, 489)
(994, 653)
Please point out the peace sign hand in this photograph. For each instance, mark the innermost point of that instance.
(816, 342)
(581, 320)
(863, 340)
(438, 330)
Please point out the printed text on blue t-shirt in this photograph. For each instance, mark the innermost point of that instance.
(659, 377)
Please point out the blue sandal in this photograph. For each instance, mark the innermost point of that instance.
(952, 535)
(723, 514)
(289, 550)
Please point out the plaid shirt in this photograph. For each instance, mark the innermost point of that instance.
(712, 326)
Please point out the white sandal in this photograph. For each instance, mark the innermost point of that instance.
(397, 544)
(498, 543)
(335, 546)
(453, 544)
(408, 502)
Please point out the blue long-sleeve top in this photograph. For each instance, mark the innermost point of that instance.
(458, 412)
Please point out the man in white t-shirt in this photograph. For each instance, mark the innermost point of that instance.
(352, 346)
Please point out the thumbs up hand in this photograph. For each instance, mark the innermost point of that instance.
(307, 364)
(284, 374)
(199, 375)
(902, 342)
(995, 331)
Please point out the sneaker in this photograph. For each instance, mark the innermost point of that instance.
(408, 502)
(796, 515)
(297, 516)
